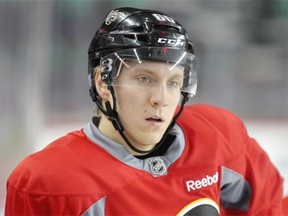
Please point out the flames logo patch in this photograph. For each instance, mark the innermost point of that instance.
(200, 207)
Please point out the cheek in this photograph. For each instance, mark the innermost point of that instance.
(174, 100)
(129, 101)
(128, 95)
(177, 99)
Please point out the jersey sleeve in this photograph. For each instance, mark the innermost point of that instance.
(21, 200)
(266, 182)
(285, 205)
(255, 178)
(258, 171)
(19, 203)
(45, 183)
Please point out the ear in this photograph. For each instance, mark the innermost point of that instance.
(101, 86)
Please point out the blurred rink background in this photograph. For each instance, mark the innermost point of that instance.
(242, 53)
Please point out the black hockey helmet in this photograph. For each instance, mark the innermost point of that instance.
(139, 34)
(151, 34)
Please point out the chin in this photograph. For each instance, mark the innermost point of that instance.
(151, 141)
(146, 138)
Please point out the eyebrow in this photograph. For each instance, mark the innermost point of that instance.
(152, 71)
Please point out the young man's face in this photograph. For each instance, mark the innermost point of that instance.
(147, 96)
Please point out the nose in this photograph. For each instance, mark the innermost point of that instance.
(159, 95)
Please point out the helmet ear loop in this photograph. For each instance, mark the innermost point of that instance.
(95, 95)
(112, 112)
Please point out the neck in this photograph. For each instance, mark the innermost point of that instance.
(106, 127)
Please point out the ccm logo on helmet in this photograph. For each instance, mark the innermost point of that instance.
(170, 41)
(192, 185)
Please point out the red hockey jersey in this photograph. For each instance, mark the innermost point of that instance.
(212, 168)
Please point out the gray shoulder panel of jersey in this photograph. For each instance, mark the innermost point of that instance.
(235, 190)
(97, 208)
(119, 152)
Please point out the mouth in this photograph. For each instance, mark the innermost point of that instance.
(155, 119)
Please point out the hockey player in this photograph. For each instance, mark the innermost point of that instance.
(145, 153)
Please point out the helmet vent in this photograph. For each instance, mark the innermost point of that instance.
(143, 38)
(138, 29)
(130, 36)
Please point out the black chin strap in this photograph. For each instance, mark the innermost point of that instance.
(114, 118)
(173, 122)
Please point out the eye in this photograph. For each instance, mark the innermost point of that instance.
(144, 79)
(174, 83)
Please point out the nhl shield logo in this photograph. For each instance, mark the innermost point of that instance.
(157, 166)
